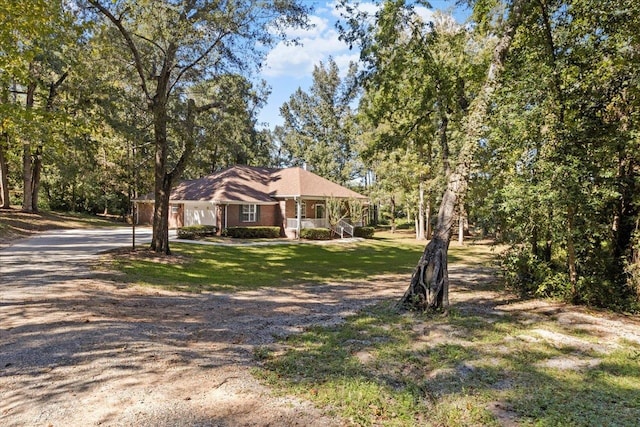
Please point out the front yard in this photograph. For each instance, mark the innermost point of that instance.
(495, 360)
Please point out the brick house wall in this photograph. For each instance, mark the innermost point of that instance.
(268, 215)
(144, 214)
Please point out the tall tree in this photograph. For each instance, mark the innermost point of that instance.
(564, 151)
(38, 44)
(429, 283)
(172, 45)
(230, 136)
(319, 125)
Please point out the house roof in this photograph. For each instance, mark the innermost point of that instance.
(247, 184)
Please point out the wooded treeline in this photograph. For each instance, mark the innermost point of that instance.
(523, 124)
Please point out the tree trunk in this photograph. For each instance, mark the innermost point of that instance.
(427, 219)
(27, 161)
(393, 214)
(420, 223)
(429, 286)
(461, 227)
(5, 203)
(162, 188)
(571, 253)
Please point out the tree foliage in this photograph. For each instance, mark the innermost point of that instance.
(171, 46)
(562, 154)
(319, 129)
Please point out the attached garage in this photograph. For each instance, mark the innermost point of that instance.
(199, 214)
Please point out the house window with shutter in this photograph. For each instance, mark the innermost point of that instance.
(249, 213)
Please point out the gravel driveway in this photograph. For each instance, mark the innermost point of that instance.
(77, 349)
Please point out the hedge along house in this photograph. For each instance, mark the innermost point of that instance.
(291, 198)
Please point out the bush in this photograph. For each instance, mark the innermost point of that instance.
(366, 232)
(252, 232)
(524, 273)
(315, 233)
(192, 232)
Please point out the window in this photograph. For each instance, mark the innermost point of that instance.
(319, 211)
(248, 213)
(175, 209)
(303, 210)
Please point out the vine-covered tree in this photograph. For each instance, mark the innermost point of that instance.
(394, 25)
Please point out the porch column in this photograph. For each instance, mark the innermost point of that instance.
(298, 216)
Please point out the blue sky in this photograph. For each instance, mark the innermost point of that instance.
(288, 67)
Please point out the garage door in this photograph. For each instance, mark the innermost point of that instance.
(199, 215)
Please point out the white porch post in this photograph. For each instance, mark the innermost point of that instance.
(298, 216)
(226, 211)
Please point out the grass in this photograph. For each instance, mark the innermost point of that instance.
(381, 368)
(228, 268)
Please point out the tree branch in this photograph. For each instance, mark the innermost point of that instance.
(199, 59)
(130, 43)
(53, 89)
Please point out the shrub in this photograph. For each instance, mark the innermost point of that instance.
(315, 233)
(524, 273)
(192, 232)
(366, 232)
(252, 232)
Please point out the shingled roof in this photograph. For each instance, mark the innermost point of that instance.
(247, 184)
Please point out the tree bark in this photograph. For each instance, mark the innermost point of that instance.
(420, 219)
(429, 286)
(5, 203)
(27, 161)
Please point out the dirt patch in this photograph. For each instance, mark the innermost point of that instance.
(92, 352)
(145, 255)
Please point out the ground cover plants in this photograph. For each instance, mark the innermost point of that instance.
(469, 369)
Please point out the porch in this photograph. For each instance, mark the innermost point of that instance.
(303, 213)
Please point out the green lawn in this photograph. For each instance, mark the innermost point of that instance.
(228, 268)
(218, 268)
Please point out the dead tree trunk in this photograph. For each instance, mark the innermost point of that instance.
(429, 286)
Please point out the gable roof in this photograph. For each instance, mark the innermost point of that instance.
(247, 184)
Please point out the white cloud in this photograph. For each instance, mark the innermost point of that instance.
(314, 45)
(424, 13)
(343, 61)
(317, 26)
(364, 6)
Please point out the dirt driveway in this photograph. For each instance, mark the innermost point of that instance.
(76, 349)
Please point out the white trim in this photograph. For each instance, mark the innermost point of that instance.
(251, 214)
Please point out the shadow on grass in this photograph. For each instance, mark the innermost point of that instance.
(227, 268)
(383, 368)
